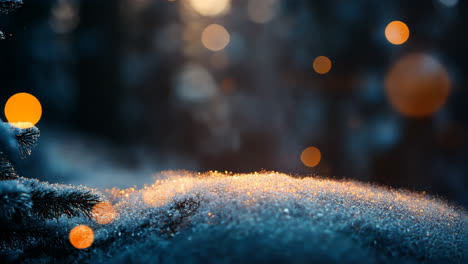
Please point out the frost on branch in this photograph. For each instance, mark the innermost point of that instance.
(7, 171)
(13, 142)
(27, 139)
(26, 205)
(7, 6)
(53, 201)
(15, 200)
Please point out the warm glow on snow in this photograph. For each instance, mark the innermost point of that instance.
(81, 237)
(182, 202)
(156, 196)
(251, 190)
(104, 213)
(322, 65)
(397, 32)
(215, 37)
(24, 109)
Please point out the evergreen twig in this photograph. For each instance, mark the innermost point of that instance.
(7, 171)
(7, 6)
(14, 200)
(48, 203)
(27, 204)
(27, 139)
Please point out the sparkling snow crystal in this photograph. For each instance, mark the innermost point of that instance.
(270, 217)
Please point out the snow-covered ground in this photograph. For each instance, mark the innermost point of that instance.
(271, 217)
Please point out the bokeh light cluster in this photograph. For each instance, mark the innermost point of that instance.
(246, 85)
(82, 236)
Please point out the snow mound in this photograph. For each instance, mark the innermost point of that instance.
(272, 217)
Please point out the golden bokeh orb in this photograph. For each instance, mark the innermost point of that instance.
(81, 237)
(23, 110)
(210, 7)
(322, 65)
(397, 32)
(417, 85)
(215, 37)
(103, 213)
(311, 156)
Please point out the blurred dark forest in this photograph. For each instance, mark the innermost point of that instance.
(128, 89)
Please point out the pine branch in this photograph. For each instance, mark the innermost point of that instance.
(8, 142)
(26, 204)
(27, 139)
(14, 200)
(7, 6)
(32, 238)
(53, 204)
(7, 171)
(22, 235)
(54, 200)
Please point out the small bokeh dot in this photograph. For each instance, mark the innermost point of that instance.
(322, 65)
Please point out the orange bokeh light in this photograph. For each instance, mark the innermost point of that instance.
(81, 237)
(322, 65)
(103, 213)
(23, 110)
(311, 156)
(397, 32)
(215, 37)
(417, 85)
